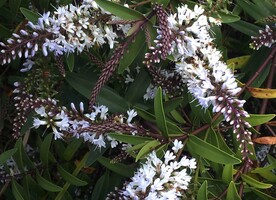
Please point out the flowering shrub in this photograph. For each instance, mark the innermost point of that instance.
(137, 100)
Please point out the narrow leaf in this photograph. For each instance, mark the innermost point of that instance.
(70, 60)
(263, 195)
(119, 168)
(6, 155)
(210, 152)
(238, 62)
(17, 190)
(147, 148)
(30, 15)
(227, 174)
(70, 178)
(232, 192)
(119, 10)
(253, 182)
(262, 93)
(257, 119)
(246, 28)
(159, 113)
(47, 185)
(44, 149)
(72, 148)
(130, 139)
(202, 193)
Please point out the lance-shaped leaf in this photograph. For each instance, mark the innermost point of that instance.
(130, 139)
(147, 149)
(72, 148)
(227, 174)
(47, 185)
(70, 60)
(262, 93)
(232, 192)
(119, 10)
(255, 183)
(159, 113)
(17, 191)
(238, 62)
(257, 119)
(119, 168)
(6, 155)
(70, 178)
(44, 149)
(262, 195)
(202, 193)
(210, 152)
(30, 15)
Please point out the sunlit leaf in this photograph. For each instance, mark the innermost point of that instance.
(258, 119)
(227, 174)
(129, 139)
(238, 62)
(232, 192)
(262, 93)
(147, 148)
(202, 193)
(255, 183)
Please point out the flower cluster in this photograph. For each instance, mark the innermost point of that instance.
(70, 29)
(199, 63)
(267, 37)
(166, 178)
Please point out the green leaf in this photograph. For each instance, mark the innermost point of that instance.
(149, 146)
(47, 185)
(72, 148)
(264, 169)
(45, 148)
(210, 152)
(246, 28)
(250, 8)
(70, 60)
(232, 192)
(238, 62)
(119, 168)
(94, 154)
(227, 174)
(133, 50)
(172, 104)
(107, 96)
(130, 139)
(70, 178)
(18, 155)
(30, 15)
(137, 88)
(226, 17)
(159, 113)
(258, 119)
(17, 190)
(262, 195)
(119, 10)
(202, 193)
(253, 182)
(100, 188)
(6, 155)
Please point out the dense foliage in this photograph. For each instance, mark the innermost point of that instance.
(161, 99)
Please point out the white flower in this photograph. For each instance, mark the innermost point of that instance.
(131, 114)
(57, 134)
(177, 145)
(28, 64)
(37, 122)
(41, 111)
